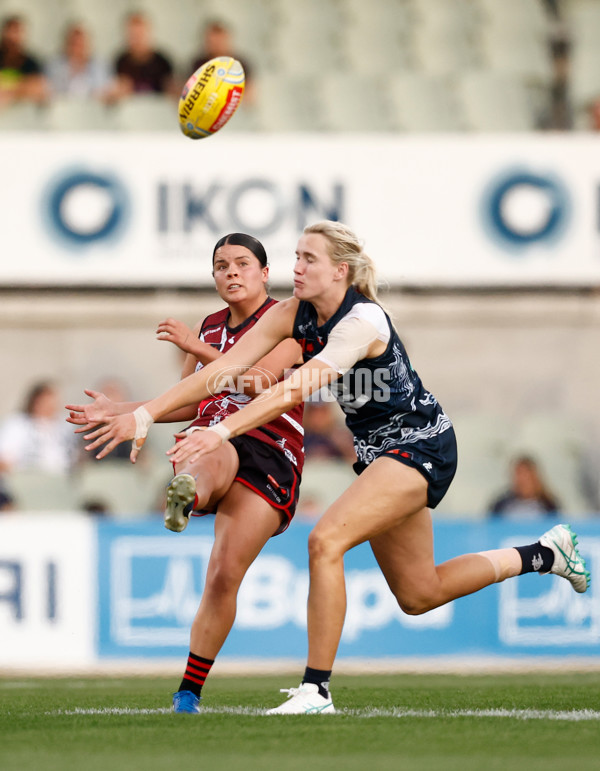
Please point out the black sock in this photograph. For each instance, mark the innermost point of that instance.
(319, 677)
(536, 558)
(196, 672)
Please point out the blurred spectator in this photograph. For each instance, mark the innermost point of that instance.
(21, 77)
(217, 40)
(95, 508)
(560, 113)
(594, 115)
(7, 502)
(38, 437)
(324, 435)
(527, 496)
(140, 68)
(76, 72)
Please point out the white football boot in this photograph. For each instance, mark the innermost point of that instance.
(304, 700)
(567, 561)
(181, 494)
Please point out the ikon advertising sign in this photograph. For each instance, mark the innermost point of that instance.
(446, 210)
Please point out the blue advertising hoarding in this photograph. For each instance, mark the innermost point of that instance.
(150, 582)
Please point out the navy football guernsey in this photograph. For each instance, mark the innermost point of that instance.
(385, 403)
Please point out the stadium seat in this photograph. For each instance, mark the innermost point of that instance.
(375, 50)
(442, 51)
(483, 453)
(301, 46)
(126, 490)
(22, 117)
(285, 103)
(38, 491)
(453, 16)
(376, 36)
(350, 103)
(145, 113)
(378, 14)
(518, 53)
(424, 102)
(74, 114)
(495, 101)
(514, 15)
(582, 19)
(585, 78)
(324, 480)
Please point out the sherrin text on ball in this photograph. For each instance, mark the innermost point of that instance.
(211, 96)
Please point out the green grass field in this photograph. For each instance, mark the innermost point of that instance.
(537, 721)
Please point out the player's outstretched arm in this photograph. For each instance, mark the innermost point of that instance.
(271, 329)
(89, 416)
(351, 340)
(264, 408)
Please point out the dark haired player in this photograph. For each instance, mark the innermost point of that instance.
(252, 483)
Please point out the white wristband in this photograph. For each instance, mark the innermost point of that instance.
(221, 430)
(143, 421)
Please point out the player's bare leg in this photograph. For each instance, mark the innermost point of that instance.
(243, 524)
(357, 516)
(405, 556)
(375, 501)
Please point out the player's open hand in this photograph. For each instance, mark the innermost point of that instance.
(88, 416)
(176, 332)
(194, 445)
(117, 429)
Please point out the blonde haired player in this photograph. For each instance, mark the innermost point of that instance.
(404, 441)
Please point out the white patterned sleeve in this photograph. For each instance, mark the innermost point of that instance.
(348, 342)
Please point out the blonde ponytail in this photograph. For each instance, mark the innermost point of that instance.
(344, 246)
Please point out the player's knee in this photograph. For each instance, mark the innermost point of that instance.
(221, 580)
(323, 545)
(415, 605)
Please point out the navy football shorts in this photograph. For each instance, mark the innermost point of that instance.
(436, 458)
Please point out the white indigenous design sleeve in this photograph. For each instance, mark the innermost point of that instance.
(350, 339)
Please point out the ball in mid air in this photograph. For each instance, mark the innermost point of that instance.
(211, 96)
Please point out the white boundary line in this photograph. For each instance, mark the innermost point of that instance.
(571, 716)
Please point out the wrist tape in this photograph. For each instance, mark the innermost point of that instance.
(143, 421)
(221, 430)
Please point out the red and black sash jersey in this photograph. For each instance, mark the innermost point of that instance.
(285, 432)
